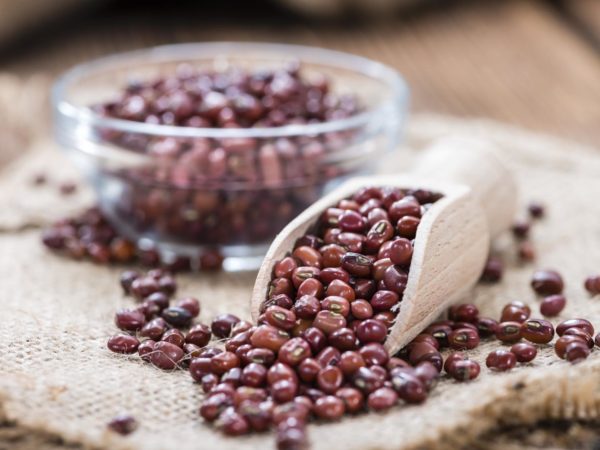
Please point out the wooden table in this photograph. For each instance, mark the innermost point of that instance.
(531, 63)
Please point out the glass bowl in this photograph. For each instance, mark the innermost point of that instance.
(229, 189)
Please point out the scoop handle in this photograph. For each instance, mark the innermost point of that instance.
(476, 164)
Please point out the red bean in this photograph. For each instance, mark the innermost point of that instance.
(463, 338)
(582, 324)
(515, 312)
(552, 305)
(464, 370)
(547, 282)
(501, 360)
(509, 332)
(166, 356)
(465, 312)
(538, 331)
(524, 352)
(123, 343)
(353, 399)
(329, 408)
(294, 351)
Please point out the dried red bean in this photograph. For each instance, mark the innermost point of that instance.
(509, 332)
(486, 326)
(374, 354)
(361, 309)
(338, 305)
(340, 288)
(576, 352)
(427, 373)
(371, 330)
(463, 338)
(329, 274)
(493, 270)
(526, 251)
(232, 423)
(213, 406)
(560, 346)
(191, 305)
(308, 370)
(177, 317)
(142, 287)
(409, 387)
(465, 312)
(583, 324)
(552, 305)
(366, 380)
(123, 424)
(328, 321)
(223, 362)
(294, 351)
(538, 331)
(501, 360)
(291, 438)
(246, 393)
(126, 280)
(199, 335)
(329, 379)
(222, 324)
(175, 337)
(384, 300)
(592, 284)
(307, 256)
(464, 370)
(166, 355)
(353, 399)
(306, 307)
(129, 320)
(356, 264)
(311, 287)
(123, 343)
(515, 312)
(329, 407)
(520, 229)
(395, 279)
(254, 375)
(285, 267)
(280, 317)
(329, 356)
(343, 339)
(580, 334)
(145, 348)
(269, 337)
(536, 210)
(382, 399)
(284, 391)
(547, 282)
(524, 352)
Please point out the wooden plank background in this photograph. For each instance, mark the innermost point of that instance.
(531, 63)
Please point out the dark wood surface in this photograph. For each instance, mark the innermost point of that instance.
(531, 63)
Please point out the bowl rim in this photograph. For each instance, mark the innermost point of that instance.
(64, 109)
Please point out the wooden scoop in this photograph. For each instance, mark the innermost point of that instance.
(453, 238)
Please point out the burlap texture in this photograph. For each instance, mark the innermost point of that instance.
(58, 379)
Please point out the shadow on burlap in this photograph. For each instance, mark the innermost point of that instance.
(59, 384)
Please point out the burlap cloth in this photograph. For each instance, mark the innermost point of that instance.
(58, 380)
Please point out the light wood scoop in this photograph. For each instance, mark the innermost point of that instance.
(452, 240)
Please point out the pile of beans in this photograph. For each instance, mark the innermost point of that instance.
(316, 351)
(276, 374)
(91, 236)
(227, 191)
